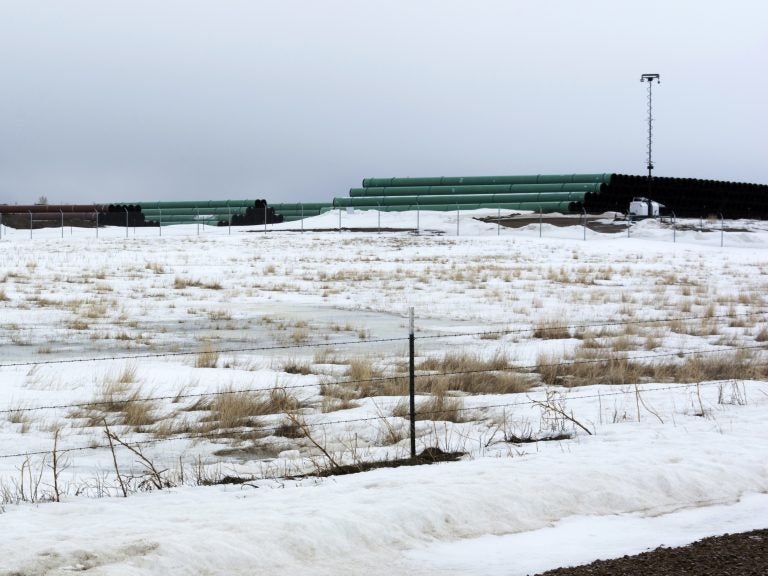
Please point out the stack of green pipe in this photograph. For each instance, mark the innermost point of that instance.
(194, 211)
(460, 199)
(546, 193)
(475, 189)
(489, 180)
(534, 207)
(299, 210)
(192, 205)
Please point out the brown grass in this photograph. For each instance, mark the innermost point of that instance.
(589, 366)
(438, 407)
(208, 357)
(326, 356)
(121, 402)
(294, 366)
(338, 396)
(18, 415)
(231, 408)
(363, 374)
(473, 374)
(551, 329)
(463, 362)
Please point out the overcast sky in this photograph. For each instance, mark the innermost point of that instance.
(104, 101)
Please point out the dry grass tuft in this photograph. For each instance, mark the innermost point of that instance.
(338, 396)
(232, 408)
(18, 415)
(327, 356)
(294, 366)
(438, 407)
(551, 329)
(208, 357)
(155, 267)
(361, 372)
(589, 366)
(464, 362)
(121, 402)
(473, 374)
(300, 335)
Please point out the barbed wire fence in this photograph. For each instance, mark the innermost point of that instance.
(314, 420)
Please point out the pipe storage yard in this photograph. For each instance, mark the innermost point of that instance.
(81, 215)
(540, 192)
(548, 193)
(593, 193)
(211, 212)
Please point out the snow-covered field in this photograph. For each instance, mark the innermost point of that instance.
(271, 354)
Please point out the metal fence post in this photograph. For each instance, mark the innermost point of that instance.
(62, 222)
(339, 218)
(722, 229)
(418, 217)
(379, 217)
(412, 381)
(198, 220)
(498, 223)
(302, 217)
(229, 218)
(541, 217)
(585, 223)
(265, 217)
(457, 219)
(97, 223)
(30, 224)
(126, 220)
(160, 222)
(674, 227)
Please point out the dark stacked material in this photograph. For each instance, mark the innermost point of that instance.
(259, 213)
(80, 215)
(687, 197)
(595, 193)
(212, 212)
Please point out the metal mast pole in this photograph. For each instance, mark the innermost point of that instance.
(650, 78)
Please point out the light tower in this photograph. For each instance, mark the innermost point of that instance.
(650, 78)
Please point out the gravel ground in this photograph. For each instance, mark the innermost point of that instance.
(729, 555)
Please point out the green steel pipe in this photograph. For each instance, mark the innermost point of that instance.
(486, 180)
(152, 212)
(299, 212)
(562, 207)
(343, 201)
(188, 218)
(196, 204)
(475, 189)
(297, 206)
(204, 223)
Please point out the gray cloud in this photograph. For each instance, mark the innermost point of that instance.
(299, 100)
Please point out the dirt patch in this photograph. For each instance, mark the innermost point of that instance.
(342, 229)
(743, 554)
(594, 223)
(428, 456)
